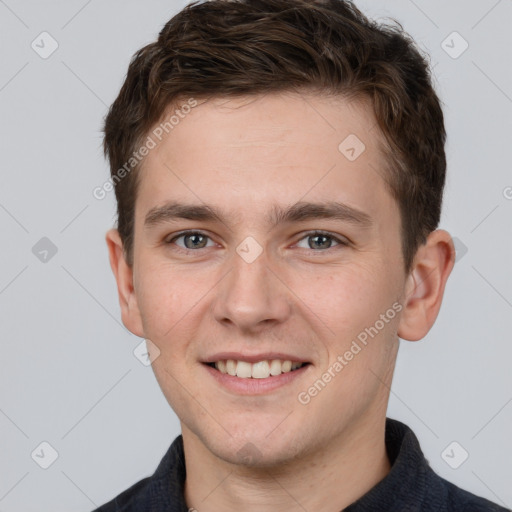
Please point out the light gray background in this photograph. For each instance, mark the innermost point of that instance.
(68, 373)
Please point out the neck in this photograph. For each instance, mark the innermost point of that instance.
(329, 480)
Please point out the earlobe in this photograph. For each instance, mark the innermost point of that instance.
(425, 285)
(123, 274)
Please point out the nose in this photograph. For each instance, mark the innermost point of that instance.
(252, 296)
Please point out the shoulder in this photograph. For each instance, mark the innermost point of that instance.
(460, 500)
(133, 499)
(161, 491)
(412, 484)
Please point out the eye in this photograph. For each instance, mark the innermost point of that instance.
(316, 240)
(321, 240)
(191, 240)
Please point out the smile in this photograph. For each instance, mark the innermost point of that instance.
(259, 370)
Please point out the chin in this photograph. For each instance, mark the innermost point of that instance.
(254, 447)
(254, 455)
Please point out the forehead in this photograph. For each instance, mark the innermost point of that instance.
(242, 153)
(273, 120)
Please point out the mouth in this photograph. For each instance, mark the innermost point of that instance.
(257, 370)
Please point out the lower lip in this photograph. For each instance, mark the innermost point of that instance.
(252, 386)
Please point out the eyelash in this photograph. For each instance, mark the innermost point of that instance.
(309, 234)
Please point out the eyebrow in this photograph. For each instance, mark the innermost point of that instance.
(299, 212)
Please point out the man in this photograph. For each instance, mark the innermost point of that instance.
(279, 168)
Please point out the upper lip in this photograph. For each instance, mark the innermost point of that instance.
(254, 358)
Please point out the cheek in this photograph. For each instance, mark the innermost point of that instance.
(164, 297)
(346, 297)
(349, 301)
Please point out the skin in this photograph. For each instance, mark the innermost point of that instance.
(243, 156)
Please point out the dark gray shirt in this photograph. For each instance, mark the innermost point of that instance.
(410, 486)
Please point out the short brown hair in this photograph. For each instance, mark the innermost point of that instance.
(249, 47)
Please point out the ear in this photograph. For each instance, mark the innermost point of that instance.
(425, 285)
(123, 273)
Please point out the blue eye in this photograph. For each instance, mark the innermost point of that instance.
(321, 240)
(192, 240)
(317, 241)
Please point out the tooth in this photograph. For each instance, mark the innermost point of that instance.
(243, 369)
(275, 367)
(286, 366)
(260, 370)
(231, 367)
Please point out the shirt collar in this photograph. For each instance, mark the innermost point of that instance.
(406, 485)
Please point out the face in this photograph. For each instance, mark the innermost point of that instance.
(286, 246)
